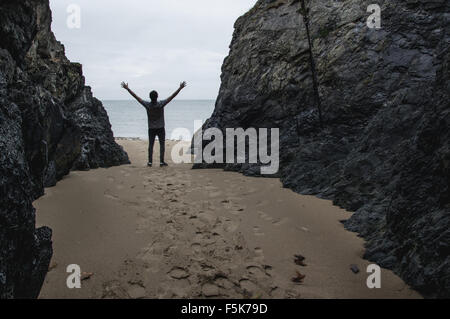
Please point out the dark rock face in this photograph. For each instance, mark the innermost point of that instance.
(384, 151)
(49, 124)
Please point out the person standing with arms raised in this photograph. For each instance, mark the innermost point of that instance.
(156, 122)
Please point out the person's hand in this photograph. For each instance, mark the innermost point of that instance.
(183, 85)
(125, 85)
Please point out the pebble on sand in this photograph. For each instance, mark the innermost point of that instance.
(178, 273)
(354, 268)
(210, 290)
(137, 293)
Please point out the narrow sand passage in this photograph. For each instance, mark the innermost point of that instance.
(181, 233)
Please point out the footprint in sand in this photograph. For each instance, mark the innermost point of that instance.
(256, 271)
(147, 183)
(114, 290)
(224, 282)
(257, 231)
(237, 210)
(249, 191)
(265, 216)
(207, 218)
(208, 241)
(196, 247)
(109, 195)
(230, 204)
(229, 226)
(262, 203)
(215, 194)
(148, 201)
(202, 205)
(280, 221)
(259, 254)
(251, 290)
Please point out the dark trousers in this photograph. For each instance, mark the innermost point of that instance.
(152, 133)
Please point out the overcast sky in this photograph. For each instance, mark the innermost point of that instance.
(152, 44)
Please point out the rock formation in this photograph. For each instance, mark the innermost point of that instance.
(384, 150)
(49, 124)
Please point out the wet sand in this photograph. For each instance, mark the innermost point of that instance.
(181, 233)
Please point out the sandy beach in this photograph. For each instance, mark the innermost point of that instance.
(175, 232)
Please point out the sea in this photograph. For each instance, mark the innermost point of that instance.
(129, 119)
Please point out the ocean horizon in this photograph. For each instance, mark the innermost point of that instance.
(129, 119)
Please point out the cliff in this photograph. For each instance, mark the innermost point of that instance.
(384, 149)
(49, 124)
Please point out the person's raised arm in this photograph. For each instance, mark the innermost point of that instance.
(182, 86)
(125, 86)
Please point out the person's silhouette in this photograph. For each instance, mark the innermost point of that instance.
(156, 122)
